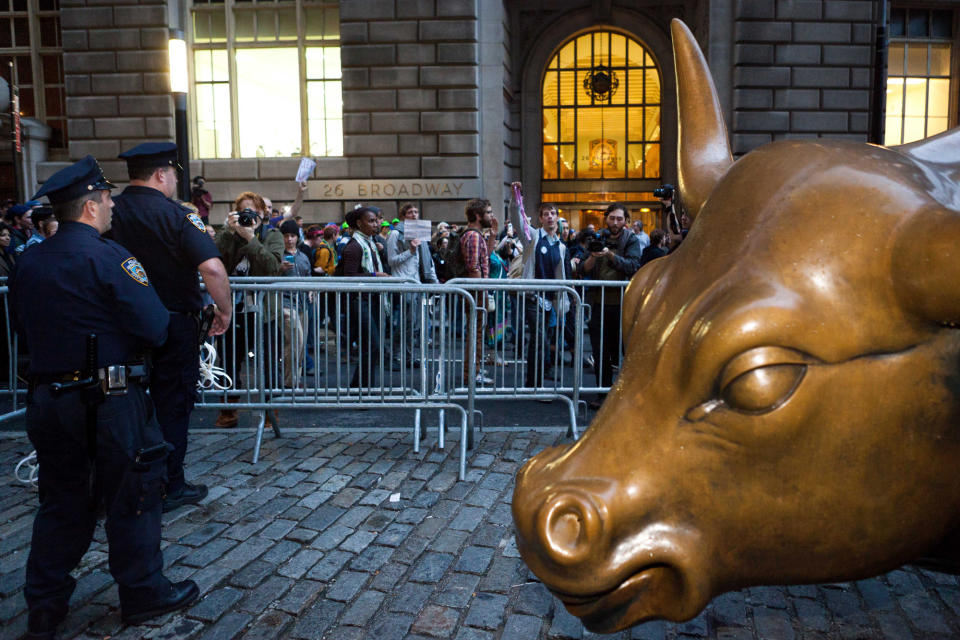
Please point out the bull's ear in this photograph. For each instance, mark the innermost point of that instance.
(926, 266)
(703, 149)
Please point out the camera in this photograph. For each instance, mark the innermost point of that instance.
(664, 193)
(247, 218)
(596, 245)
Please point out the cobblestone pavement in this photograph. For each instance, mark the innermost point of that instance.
(308, 544)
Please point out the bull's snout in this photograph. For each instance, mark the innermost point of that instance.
(569, 525)
(560, 522)
(600, 546)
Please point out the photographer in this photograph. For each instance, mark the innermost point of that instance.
(249, 248)
(676, 224)
(201, 199)
(614, 255)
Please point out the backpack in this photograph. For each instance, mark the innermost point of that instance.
(456, 265)
(323, 246)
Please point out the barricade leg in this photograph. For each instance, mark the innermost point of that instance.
(463, 445)
(416, 431)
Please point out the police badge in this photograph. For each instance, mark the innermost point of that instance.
(135, 270)
(196, 221)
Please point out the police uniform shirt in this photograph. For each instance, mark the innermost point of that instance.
(77, 283)
(169, 239)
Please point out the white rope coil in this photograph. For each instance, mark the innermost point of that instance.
(27, 470)
(212, 376)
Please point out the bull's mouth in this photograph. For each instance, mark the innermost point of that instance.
(656, 591)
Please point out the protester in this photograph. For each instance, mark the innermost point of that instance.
(295, 264)
(441, 258)
(410, 258)
(325, 251)
(45, 228)
(361, 258)
(544, 258)
(638, 231)
(20, 219)
(499, 269)
(6, 257)
(475, 255)
(657, 249)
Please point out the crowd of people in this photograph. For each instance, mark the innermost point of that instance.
(259, 239)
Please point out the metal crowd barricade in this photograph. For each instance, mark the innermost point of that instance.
(366, 336)
(390, 343)
(12, 393)
(546, 318)
(597, 296)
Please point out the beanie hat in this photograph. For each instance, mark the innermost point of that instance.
(290, 226)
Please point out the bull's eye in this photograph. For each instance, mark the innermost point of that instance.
(762, 379)
(763, 389)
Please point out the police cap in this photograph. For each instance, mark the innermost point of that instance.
(151, 155)
(79, 179)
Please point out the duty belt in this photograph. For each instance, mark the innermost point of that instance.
(113, 379)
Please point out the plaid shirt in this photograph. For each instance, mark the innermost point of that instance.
(475, 254)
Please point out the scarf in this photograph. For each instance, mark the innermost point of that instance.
(371, 257)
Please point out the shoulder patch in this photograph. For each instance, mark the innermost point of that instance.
(196, 221)
(135, 270)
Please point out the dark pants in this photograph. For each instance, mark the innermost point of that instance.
(130, 496)
(539, 356)
(241, 340)
(606, 348)
(363, 312)
(173, 387)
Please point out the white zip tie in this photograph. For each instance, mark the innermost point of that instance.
(27, 470)
(212, 376)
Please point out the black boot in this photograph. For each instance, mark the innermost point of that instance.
(188, 494)
(177, 596)
(42, 623)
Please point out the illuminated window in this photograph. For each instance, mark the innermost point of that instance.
(267, 78)
(918, 74)
(30, 37)
(601, 110)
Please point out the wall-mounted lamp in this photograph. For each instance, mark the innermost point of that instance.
(179, 86)
(177, 49)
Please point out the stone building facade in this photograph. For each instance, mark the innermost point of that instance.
(442, 99)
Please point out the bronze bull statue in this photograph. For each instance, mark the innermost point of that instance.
(788, 410)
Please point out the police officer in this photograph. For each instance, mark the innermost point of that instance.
(88, 415)
(171, 242)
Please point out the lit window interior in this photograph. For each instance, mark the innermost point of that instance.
(601, 110)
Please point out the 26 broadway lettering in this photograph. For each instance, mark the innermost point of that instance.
(409, 189)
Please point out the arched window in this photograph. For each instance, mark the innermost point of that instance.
(601, 110)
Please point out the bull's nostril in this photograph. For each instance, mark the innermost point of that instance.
(569, 525)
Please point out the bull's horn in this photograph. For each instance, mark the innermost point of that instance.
(703, 148)
(943, 152)
(943, 148)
